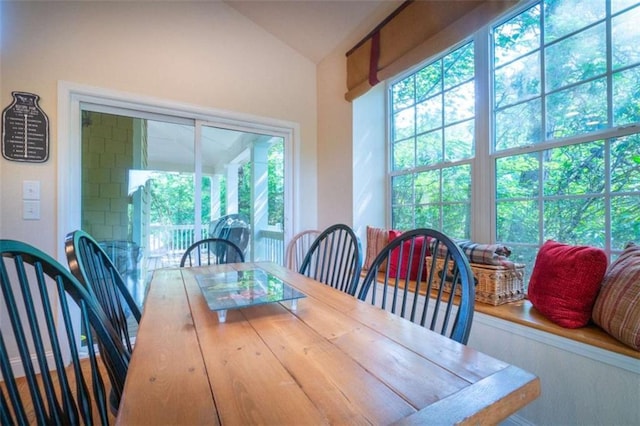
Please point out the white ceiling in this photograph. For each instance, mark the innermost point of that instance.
(311, 27)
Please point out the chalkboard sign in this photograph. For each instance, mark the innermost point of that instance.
(25, 130)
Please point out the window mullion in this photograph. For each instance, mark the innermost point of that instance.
(608, 35)
(482, 184)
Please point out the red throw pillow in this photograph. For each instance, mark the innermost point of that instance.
(393, 266)
(393, 233)
(565, 282)
(406, 249)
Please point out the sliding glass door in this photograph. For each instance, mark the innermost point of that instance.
(152, 186)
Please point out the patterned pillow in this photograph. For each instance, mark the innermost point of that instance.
(565, 282)
(486, 254)
(377, 239)
(617, 308)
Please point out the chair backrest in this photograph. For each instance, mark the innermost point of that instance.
(335, 258)
(125, 255)
(41, 333)
(91, 265)
(412, 290)
(298, 247)
(211, 251)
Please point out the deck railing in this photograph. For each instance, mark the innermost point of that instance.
(170, 241)
(178, 238)
(271, 243)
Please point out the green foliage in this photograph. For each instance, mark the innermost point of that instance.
(275, 182)
(244, 189)
(172, 198)
(441, 97)
(562, 70)
(173, 194)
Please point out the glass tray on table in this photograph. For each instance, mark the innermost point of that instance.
(240, 289)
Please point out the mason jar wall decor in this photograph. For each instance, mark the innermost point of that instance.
(25, 130)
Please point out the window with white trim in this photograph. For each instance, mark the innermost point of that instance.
(433, 126)
(548, 115)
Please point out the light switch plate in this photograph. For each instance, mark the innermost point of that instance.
(31, 190)
(31, 210)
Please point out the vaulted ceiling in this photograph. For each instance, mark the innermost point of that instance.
(311, 27)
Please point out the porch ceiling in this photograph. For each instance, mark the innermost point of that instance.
(171, 147)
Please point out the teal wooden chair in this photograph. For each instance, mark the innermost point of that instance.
(211, 251)
(405, 286)
(335, 258)
(46, 311)
(92, 266)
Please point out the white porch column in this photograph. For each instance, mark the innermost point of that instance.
(215, 196)
(232, 187)
(259, 196)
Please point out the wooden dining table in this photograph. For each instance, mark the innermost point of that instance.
(328, 359)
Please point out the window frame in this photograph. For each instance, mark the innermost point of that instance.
(483, 220)
(443, 164)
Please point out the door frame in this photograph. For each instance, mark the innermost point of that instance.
(72, 95)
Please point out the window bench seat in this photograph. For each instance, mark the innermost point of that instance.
(522, 312)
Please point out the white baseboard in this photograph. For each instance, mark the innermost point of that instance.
(18, 369)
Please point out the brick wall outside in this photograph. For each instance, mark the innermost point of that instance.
(107, 156)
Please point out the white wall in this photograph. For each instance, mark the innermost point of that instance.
(369, 161)
(335, 147)
(201, 53)
(339, 191)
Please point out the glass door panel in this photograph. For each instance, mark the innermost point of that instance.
(170, 204)
(137, 192)
(244, 172)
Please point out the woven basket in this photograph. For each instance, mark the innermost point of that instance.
(496, 284)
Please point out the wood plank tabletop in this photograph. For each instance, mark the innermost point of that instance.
(167, 379)
(332, 360)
